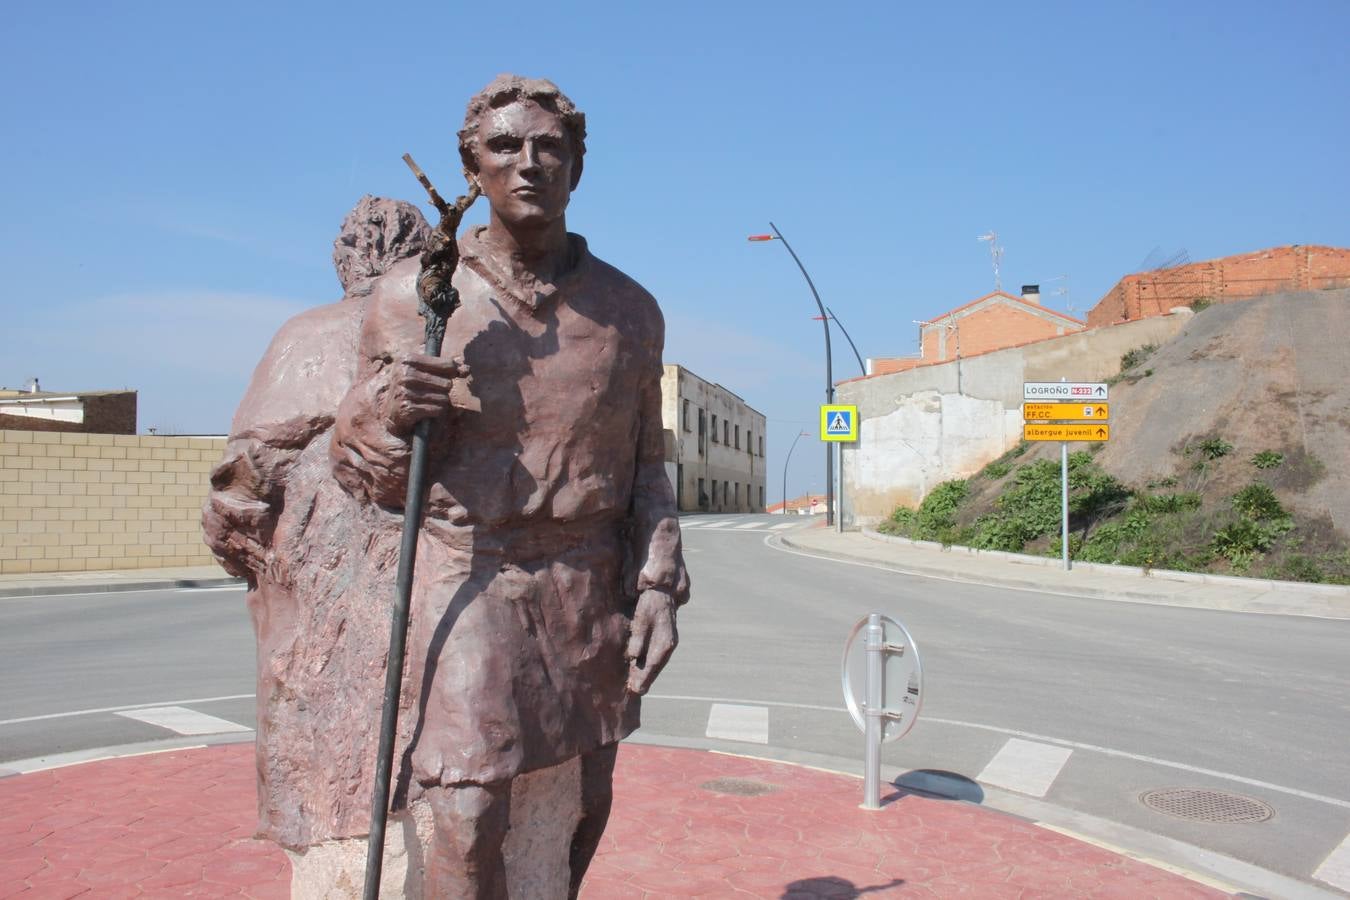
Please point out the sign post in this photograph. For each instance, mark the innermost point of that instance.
(883, 685)
(1065, 411)
(839, 425)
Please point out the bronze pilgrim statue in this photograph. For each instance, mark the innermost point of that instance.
(548, 562)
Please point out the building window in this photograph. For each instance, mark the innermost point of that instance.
(726, 432)
(685, 416)
(679, 486)
(702, 431)
(714, 428)
(761, 445)
(737, 495)
(702, 496)
(749, 442)
(738, 437)
(761, 496)
(726, 492)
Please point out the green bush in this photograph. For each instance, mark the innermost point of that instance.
(1214, 447)
(1267, 459)
(996, 470)
(1134, 357)
(1201, 303)
(935, 519)
(1239, 542)
(1258, 503)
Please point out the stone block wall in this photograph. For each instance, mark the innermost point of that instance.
(72, 502)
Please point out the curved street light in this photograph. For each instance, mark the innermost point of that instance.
(799, 436)
(829, 367)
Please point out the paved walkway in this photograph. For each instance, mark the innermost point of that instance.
(686, 823)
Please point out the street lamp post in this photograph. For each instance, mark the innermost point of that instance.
(829, 366)
(800, 435)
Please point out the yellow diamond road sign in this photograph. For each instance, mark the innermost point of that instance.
(1074, 412)
(838, 423)
(1066, 432)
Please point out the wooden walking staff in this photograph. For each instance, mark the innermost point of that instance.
(438, 300)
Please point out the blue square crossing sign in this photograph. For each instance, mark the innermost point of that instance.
(838, 423)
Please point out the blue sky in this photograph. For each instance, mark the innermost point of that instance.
(175, 173)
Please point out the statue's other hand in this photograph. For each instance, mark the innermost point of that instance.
(652, 639)
(418, 387)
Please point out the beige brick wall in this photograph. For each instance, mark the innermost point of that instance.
(72, 502)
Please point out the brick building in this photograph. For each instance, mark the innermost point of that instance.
(993, 322)
(85, 412)
(1241, 277)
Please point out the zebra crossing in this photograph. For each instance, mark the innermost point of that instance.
(743, 522)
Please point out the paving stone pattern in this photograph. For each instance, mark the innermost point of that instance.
(178, 824)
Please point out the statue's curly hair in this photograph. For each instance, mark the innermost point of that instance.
(507, 89)
(375, 235)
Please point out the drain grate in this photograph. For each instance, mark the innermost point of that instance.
(740, 787)
(1200, 805)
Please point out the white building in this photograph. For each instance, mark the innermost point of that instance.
(714, 445)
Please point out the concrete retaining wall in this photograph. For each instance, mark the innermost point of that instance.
(76, 502)
(927, 425)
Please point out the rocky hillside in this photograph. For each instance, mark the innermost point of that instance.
(1228, 453)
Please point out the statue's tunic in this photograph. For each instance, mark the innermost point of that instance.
(548, 511)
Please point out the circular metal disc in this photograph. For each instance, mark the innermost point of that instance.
(901, 680)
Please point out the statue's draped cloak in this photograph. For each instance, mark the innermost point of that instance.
(548, 511)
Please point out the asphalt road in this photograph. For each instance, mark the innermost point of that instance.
(1064, 705)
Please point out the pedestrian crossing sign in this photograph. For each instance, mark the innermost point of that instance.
(838, 423)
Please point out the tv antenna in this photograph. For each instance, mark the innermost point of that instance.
(1062, 291)
(995, 254)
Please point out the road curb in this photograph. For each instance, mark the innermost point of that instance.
(1311, 603)
(108, 587)
(1262, 584)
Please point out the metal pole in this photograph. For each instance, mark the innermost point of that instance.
(800, 435)
(873, 711)
(398, 637)
(1064, 499)
(861, 366)
(829, 376)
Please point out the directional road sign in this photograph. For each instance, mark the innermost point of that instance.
(1066, 432)
(1073, 412)
(838, 423)
(1063, 391)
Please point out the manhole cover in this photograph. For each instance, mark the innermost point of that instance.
(741, 787)
(1206, 806)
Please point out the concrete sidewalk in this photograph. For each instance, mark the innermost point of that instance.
(686, 823)
(1038, 573)
(119, 580)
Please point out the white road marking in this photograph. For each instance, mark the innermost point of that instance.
(714, 524)
(781, 525)
(750, 525)
(739, 723)
(107, 709)
(1075, 745)
(1335, 869)
(183, 720)
(1026, 767)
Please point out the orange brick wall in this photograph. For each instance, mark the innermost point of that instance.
(1241, 277)
(981, 331)
(73, 502)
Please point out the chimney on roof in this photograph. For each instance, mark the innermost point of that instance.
(34, 387)
(1032, 293)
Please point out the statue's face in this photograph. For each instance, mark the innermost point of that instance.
(524, 163)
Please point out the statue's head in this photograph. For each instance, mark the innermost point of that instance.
(376, 234)
(523, 143)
